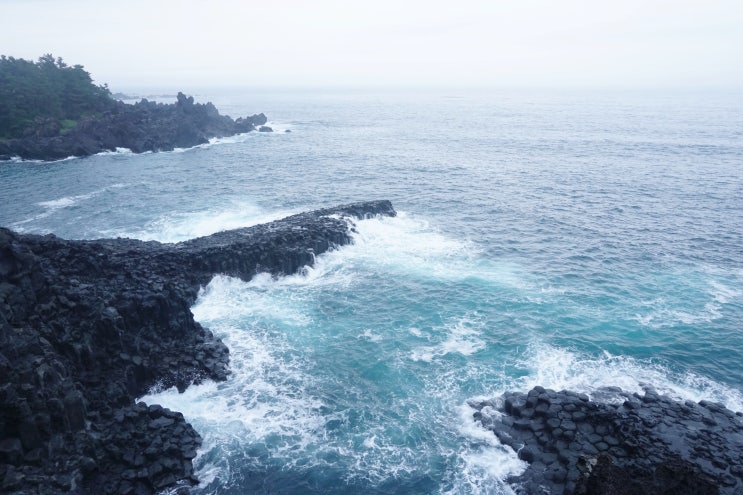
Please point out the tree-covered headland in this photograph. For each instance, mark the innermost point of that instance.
(50, 110)
(47, 93)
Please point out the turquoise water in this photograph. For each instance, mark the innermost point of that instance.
(569, 240)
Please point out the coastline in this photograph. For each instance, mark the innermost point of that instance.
(90, 326)
(141, 127)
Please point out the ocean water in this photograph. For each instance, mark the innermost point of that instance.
(571, 240)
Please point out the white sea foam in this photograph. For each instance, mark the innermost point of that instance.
(278, 129)
(18, 159)
(415, 331)
(183, 226)
(408, 244)
(68, 201)
(559, 368)
(462, 337)
(53, 205)
(723, 294)
(62, 202)
(265, 400)
(662, 314)
(117, 151)
(228, 298)
(273, 402)
(666, 311)
(267, 396)
(485, 462)
(369, 335)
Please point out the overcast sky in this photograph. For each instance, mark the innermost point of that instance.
(457, 43)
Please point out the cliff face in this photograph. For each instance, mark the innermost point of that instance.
(144, 126)
(86, 327)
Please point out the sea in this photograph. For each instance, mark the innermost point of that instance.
(571, 239)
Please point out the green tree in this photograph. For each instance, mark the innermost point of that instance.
(49, 89)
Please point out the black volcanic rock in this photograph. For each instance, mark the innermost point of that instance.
(143, 126)
(87, 327)
(645, 444)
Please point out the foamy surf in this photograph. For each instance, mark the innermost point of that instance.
(182, 226)
(317, 387)
(52, 206)
(461, 336)
(409, 245)
(267, 405)
(564, 369)
(273, 399)
(116, 151)
(278, 129)
(68, 201)
(485, 462)
(18, 159)
(264, 401)
(700, 297)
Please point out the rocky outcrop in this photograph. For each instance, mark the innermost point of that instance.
(87, 327)
(143, 126)
(638, 444)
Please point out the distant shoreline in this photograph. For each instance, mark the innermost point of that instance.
(140, 127)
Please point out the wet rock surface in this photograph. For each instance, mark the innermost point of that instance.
(87, 327)
(140, 127)
(630, 444)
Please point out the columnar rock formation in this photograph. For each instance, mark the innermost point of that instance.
(633, 444)
(87, 327)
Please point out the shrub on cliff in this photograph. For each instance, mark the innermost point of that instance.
(46, 96)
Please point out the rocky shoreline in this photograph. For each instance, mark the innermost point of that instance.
(87, 327)
(624, 444)
(140, 127)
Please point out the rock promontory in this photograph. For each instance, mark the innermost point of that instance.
(88, 327)
(50, 110)
(627, 444)
(139, 127)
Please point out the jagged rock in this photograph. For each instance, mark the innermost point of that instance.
(87, 327)
(647, 444)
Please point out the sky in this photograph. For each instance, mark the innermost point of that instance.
(395, 43)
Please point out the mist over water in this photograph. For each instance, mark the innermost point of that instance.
(564, 240)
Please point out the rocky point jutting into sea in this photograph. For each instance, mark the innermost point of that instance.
(143, 126)
(623, 444)
(88, 327)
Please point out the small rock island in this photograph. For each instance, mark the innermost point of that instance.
(51, 111)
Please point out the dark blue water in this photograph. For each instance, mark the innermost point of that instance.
(570, 240)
